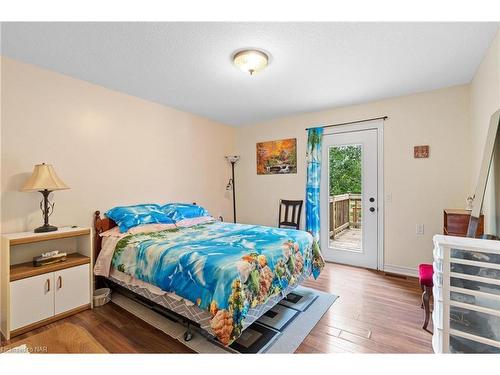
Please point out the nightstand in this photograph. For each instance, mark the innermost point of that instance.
(34, 296)
(456, 223)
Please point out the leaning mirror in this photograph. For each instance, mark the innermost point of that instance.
(492, 142)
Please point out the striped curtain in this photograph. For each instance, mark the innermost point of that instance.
(314, 138)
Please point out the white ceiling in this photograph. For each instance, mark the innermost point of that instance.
(313, 66)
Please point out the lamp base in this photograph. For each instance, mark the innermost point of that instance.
(45, 228)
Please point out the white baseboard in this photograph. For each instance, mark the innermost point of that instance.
(400, 270)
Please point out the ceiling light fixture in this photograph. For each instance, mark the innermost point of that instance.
(251, 61)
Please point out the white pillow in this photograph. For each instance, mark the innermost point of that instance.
(145, 228)
(194, 221)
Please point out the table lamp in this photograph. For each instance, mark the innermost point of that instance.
(45, 180)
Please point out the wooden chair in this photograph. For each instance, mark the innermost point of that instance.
(290, 219)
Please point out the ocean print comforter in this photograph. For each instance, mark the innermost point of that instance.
(223, 268)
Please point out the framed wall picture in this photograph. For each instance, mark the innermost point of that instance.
(277, 157)
(421, 152)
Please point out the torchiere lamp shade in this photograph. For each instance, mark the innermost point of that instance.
(44, 177)
(232, 158)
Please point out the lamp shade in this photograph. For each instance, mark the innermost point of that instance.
(44, 177)
(232, 158)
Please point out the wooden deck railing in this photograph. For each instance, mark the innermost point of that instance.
(345, 213)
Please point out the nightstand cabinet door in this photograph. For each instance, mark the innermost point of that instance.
(72, 288)
(32, 300)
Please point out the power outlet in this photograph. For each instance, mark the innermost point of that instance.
(419, 229)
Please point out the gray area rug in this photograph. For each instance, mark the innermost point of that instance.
(280, 330)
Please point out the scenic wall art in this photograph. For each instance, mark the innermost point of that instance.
(277, 157)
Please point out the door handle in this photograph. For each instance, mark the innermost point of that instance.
(59, 282)
(48, 285)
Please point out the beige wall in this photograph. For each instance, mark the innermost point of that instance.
(485, 100)
(110, 148)
(420, 188)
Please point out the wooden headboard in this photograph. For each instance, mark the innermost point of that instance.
(100, 225)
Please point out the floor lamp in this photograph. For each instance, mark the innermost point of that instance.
(233, 159)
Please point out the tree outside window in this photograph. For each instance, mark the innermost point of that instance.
(345, 169)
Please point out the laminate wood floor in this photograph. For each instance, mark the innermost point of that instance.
(375, 313)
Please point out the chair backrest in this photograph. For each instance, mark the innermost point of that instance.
(290, 216)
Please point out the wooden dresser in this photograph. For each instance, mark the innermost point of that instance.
(456, 223)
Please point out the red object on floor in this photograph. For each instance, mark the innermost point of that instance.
(425, 272)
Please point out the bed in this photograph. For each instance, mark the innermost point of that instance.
(218, 276)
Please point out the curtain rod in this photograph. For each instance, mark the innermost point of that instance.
(350, 122)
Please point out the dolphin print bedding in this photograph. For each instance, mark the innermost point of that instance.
(223, 268)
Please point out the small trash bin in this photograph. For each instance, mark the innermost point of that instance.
(102, 296)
